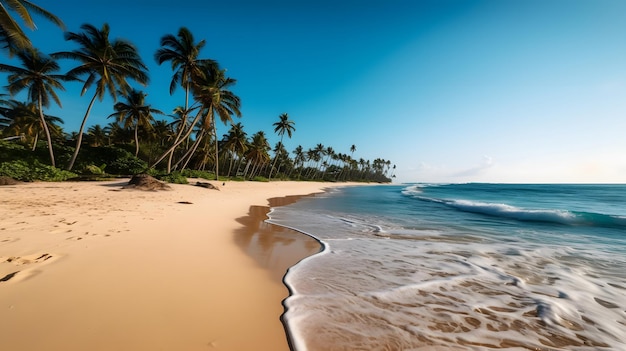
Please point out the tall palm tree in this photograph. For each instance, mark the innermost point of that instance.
(182, 52)
(211, 90)
(236, 142)
(11, 34)
(106, 63)
(299, 158)
(319, 152)
(134, 113)
(284, 125)
(258, 151)
(37, 76)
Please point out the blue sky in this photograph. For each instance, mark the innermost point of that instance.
(449, 91)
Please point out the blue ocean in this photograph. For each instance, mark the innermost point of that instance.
(460, 267)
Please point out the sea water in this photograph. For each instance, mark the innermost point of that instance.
(460, 267)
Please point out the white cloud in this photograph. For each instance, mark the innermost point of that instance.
(476, 171)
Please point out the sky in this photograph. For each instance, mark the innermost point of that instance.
(507, 91)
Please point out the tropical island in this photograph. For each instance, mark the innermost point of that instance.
(183, 144)
(102, 265)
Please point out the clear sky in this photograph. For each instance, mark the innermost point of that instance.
(449, 91)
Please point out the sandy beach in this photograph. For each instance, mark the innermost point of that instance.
(89, 266)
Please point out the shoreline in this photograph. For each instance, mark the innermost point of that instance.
(299, 246)
(90, 266)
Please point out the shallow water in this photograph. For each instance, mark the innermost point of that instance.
(460, 267)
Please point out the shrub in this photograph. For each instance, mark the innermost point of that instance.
(28, 172)
(174, 177)
(127, 165)
(259, 179)
(192, 173)
(118, 160)
(12, 151)
(94, 170)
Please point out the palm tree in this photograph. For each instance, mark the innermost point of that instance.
(11, 33)
(284, 125)
(299, 158)
(134, 113)
(161, 132)
(97, 135)
(37, 77)
(105, 63)
(182, 52)
(319, 152)
(236, 143)
(211, 90)
(258, 152)
(25, 119)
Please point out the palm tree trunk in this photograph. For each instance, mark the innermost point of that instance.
(245, 170)
(170, 152)
(217, 163)
(183, 122)
(230, 165)
(176, 143)
(80, 132)
(276, 157)
(137, 138)
(35, 142)
(191, 151)
(47, 131)
(255, 167)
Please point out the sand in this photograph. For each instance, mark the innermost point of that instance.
(89, 266)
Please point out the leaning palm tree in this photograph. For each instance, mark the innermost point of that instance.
(134, 113)
(11, 34)
(105, 63)
(37, 76)
(211, 90)
(182, 52)
(284, 125)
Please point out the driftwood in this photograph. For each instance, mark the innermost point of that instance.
(146, 182)
(206, 185)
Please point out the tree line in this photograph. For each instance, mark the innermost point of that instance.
(186, 140)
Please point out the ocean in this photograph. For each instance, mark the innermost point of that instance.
(459, 267)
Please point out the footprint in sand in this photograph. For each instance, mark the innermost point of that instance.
(36, 258)
(8, 277)
(8, 240)
(22, 261)
(64, 221)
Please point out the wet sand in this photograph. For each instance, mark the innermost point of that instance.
(88, 266)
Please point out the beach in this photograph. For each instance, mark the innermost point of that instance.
(92, 266)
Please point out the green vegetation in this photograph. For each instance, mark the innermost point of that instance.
(135, 142)
(29, 171)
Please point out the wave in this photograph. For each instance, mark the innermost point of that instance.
(563, 217)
